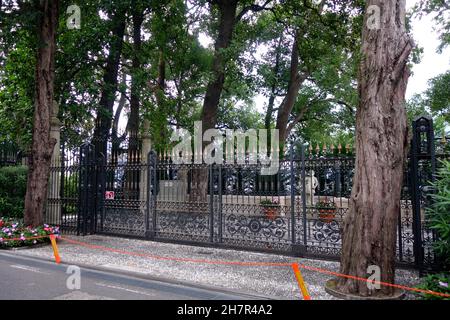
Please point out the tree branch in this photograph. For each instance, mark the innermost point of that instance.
(253, 8)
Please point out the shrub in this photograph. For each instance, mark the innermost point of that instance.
(439, 213)
(14, 234)
(439, 220)
(437, 283)
(269, 203)
(13, 185)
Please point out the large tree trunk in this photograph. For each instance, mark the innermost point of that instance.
(227, 22)
(133, 122)
(273, 89)
(369, 234)
(108, 95)
(132, 175)
(42, 144)
(297, 78)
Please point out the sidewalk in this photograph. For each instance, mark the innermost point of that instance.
(272, 281)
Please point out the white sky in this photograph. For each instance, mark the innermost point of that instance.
(432, 63)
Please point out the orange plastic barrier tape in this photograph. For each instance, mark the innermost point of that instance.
(55, 249)
(301, 282)
(260, 264)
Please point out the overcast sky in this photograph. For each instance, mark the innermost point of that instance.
(432, 63)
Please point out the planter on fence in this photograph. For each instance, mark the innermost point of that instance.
(327, 211)
(271, 209)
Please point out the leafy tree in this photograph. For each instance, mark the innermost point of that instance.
(438, 96)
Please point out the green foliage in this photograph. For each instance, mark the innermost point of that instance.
(437, 283)
(17, 89)
(438, 95)
(13, 183)
(326, 205)
(439, 213)
(269, 203)
(14, 234)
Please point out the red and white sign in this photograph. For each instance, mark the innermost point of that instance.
(109, 195)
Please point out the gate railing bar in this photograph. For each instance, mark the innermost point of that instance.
(148, 233)
(220, 219)
(292, 182)
(211, 204)
(305, 239)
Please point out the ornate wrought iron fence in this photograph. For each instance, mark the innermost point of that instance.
(64, 198)
(299, 210)
(11, 155)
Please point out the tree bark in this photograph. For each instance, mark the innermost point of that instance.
(108, 96)
(133, 122)
(295, 82)
(369, 233)
(227, 22)
(42, 144)
(132, 175)
(273, 89)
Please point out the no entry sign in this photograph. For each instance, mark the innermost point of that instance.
(109, 195)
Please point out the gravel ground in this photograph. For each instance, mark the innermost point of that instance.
(276, 282)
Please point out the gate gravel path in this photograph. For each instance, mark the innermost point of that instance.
(274, 282)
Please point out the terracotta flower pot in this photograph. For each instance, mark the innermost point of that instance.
(271, 212)
(327, 215)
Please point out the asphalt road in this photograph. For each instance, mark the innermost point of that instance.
(23, 278)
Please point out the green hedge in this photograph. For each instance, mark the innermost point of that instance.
(439, 213)
(13, 185)
(439, 220)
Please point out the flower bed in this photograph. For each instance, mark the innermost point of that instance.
(14, 234)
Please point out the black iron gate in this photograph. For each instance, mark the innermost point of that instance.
(422, 174)
(91, 191)
(233, 205)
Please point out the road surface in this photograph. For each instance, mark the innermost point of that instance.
(33, 279)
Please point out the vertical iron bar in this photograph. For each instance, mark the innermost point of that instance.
(415, 193)
(102, 185)
(292, 174)
(149, 197)
(400, 244)
(211, 206)
(302, 151)
(220, 205)
(154, 183)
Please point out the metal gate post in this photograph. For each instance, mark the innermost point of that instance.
(299, 249)
(292, 182)
(211, 204)
(415, 196)
(220, 219)
(420, 150)
(305, 233)
(100, 169)
(85, 186)
(151, 196)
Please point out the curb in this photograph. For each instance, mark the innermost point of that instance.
(25, 248)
